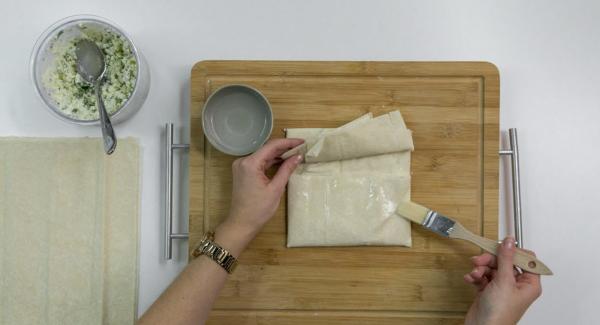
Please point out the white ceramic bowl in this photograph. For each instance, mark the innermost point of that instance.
(41, 59)
(237, 119)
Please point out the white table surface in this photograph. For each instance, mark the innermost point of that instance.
(548, 53)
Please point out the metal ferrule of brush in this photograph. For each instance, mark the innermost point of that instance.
(438, 223)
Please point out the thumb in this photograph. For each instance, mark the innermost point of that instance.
(285, 171)
(506, 253)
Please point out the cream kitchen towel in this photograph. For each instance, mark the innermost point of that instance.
(68, 231)
(348, 189)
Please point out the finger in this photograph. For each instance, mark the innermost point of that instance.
(480, 276)
(530, 284)
(493, 274)
(274, 161)
(530, 278)
(486, 259)
(482, 284)
(480, 272)
(476, 279)
(274, 148)
(285, 171)
(468, 278)
(479, 284)
(506, 253)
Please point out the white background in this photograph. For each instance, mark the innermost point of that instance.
(548, 54)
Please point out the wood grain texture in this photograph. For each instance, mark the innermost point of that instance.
(453, 110)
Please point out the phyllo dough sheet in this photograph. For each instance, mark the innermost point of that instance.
(346, 192)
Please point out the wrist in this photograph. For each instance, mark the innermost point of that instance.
(492, 320)
(234, 237)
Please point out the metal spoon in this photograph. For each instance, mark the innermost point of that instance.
(91, 67)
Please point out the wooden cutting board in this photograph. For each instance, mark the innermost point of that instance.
(452, 109)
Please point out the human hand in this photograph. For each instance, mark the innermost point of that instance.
(503, 294)
(255, 197)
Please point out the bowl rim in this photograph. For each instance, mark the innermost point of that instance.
(55, 28)
(210, 137)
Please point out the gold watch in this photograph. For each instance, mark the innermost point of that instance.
(221, 256)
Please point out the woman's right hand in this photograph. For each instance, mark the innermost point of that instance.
(503, 294)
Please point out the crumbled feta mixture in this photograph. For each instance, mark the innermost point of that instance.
(75, 97)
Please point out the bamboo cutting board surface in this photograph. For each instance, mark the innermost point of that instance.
(452, 109)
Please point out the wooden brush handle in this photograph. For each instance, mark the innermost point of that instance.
(524, 260)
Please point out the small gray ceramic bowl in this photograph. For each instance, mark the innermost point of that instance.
(237, 119)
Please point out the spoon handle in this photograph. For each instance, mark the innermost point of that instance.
(108, 134)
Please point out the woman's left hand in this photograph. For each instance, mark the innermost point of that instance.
(255, 196)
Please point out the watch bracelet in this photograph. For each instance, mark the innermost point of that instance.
(216, 253)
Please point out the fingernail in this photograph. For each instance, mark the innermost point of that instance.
(508, 242)
(298, 159)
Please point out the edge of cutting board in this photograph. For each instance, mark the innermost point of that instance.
(201, 74)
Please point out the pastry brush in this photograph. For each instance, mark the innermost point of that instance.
(447, 227)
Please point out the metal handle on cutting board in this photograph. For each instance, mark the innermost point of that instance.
(513, 152)
(169, 235)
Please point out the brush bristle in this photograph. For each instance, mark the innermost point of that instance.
(412, 211)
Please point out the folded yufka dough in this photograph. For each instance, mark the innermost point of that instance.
(348, 189)
(369, 137)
